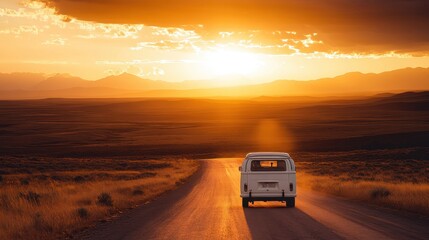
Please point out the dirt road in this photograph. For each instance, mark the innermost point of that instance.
(209, 207)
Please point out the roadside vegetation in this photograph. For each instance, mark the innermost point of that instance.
(372, 176)
(53, 198)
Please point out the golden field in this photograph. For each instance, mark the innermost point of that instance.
(58, 156)
(401, 184)
(45, 202)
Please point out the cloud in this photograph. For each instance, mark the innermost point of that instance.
(55, 41)
(144, 62)
(114, 31)
(277, 42)
(343, 25)
(24, 29)
(138, 71)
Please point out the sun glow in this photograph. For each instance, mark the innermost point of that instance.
(229, 62)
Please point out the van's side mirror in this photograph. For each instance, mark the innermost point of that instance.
(239, 168)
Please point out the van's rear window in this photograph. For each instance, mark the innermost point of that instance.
(268, 165)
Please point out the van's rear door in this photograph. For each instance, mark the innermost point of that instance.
(267, 177)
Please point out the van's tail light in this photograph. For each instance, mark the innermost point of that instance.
(291, 187)
(245, 187)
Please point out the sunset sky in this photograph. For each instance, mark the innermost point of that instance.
(192, 39)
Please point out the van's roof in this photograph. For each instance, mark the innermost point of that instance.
(268, 154)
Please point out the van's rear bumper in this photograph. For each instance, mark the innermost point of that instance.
(268, 197)
(280, 199)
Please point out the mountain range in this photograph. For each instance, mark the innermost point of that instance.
(37, 85)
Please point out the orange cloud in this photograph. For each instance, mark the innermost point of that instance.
(364, 26)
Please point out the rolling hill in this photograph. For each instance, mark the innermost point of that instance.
(402, 80)
(29, 86)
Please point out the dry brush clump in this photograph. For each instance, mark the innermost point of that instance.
(82, 212)
(104, 199)
(64, 201)
(379, 193)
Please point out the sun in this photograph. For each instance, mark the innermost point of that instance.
(229, 62)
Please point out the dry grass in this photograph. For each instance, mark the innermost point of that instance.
(49, 203)
(398, 184)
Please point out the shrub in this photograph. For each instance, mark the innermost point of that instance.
(137, 192)
(31, 197)
(380, 193)
(104, 199)
(25, 181)
(82, 212)
(79, 179)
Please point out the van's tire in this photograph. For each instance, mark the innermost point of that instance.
(290, 202)
(245, 202)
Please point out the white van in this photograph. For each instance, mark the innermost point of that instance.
(268, 176)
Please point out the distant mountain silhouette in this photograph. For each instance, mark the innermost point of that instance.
(62, 81)
(132, 82)
(29, 85)
(408, 79)
(19, 81)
